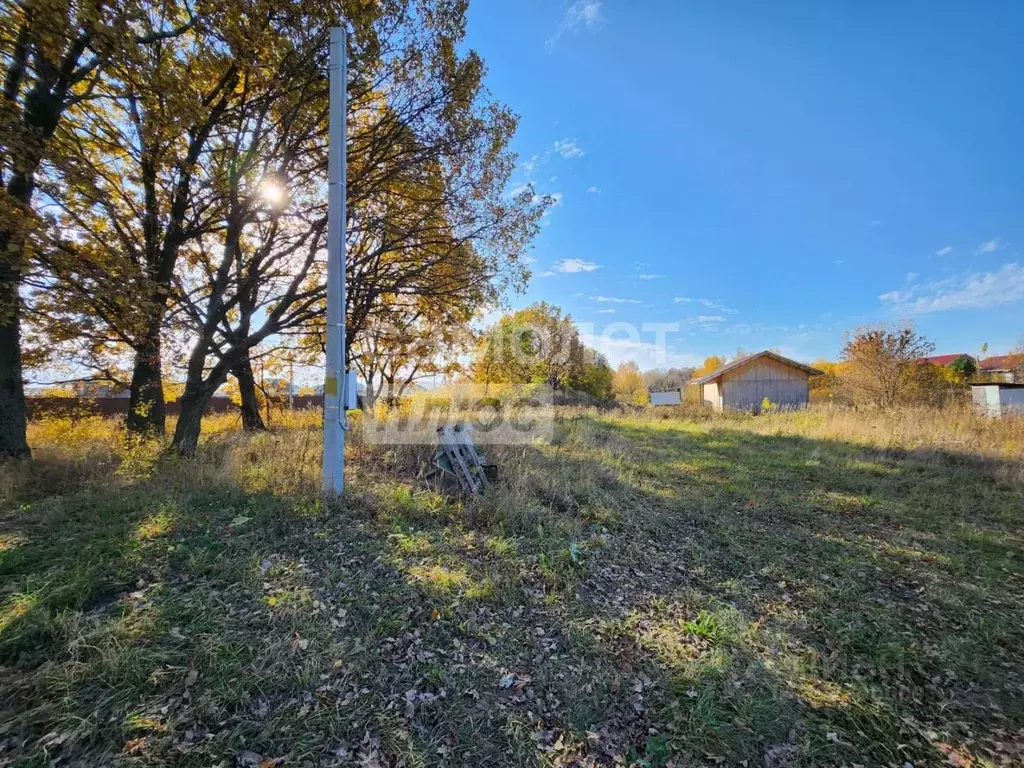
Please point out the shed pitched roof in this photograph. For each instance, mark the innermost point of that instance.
(996, 384)
(744, 360)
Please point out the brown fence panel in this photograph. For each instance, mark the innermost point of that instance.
(40, 407)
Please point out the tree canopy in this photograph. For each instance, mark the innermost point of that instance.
(629, 385)
(883, 364)
(539, 345)
(185, 191)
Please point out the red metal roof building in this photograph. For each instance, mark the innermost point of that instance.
(1001, 363)
(943, 359)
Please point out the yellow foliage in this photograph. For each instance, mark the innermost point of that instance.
(58, 392)
(827, 386)
(629, 386)
(712, 363)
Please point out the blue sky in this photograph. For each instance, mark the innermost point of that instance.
(769, 174)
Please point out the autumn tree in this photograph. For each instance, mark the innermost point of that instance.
(537, 344)
(407, 341)
(428, 216)
(882, 365)
(428, 170)
(166, 229)
(53, 55)
(964, 366)
(429, 220)
(133, 192)
(597, 377)
(828, 386)
(628, 384)
(711, 363)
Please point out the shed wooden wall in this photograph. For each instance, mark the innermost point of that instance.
(711, 393)
(744, 388)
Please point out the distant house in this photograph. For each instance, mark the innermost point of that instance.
(943, 359)
(744, 384)
(998, 398)
(1005, 368)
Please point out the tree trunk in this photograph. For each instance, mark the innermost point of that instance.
(13, 421)
(13, 442)
(250, 407)
(186, 431)
(42, 110)
(193, 405)
(146, 409)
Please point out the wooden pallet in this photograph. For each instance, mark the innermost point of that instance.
(456, 460)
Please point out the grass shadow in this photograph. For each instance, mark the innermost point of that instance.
(633, 592)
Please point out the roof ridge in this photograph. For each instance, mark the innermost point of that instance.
(746, 359)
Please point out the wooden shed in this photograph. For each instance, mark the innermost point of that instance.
(744, 383)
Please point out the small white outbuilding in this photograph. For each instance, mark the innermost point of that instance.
(747, 382)
(667, 397)
(998, 398)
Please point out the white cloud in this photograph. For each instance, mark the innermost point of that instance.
(546, 273)
(518, 190)
(529, 259)
(556, 199)
(575, 265)
(606, 311)
(876, 223)
(708, 319)
(911, 277)
(990, 246)
(838, 262)
(613, 300)
(529, 166)
(649, 277)
(944, 250)
(970, 290)
(592, 189)
(582, 14)
(589, 13)
(646, 354)
(709, 303)
(569, 149)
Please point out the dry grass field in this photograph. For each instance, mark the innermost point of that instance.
(654, 588)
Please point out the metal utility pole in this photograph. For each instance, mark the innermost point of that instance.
(335, 381)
